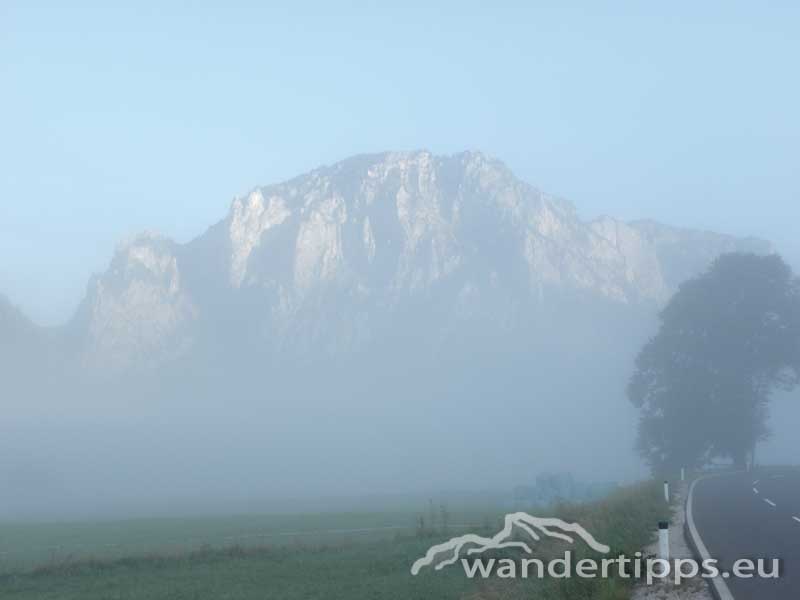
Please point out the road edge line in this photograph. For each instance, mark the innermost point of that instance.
(719, 587)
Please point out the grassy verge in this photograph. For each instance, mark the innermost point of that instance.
(369, 571)
(27, 545)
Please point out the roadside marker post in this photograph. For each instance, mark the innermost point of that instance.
(683, 474)
(666, 491)
(663, 540)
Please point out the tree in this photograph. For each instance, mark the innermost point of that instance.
(727, 340)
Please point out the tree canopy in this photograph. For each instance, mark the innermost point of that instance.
(728, 339)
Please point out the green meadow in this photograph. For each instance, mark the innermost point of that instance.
(346, 556)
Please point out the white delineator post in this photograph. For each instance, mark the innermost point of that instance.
(666, 491)
(663, 540)
(683, 474)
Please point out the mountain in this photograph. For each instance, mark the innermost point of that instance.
(331, 261)
(394, 323)
(24, 347)
(14, 326)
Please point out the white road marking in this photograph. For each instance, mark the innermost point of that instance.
(756, 482)
(718, 583)
(770, 502)
(796, 519)
(755, 490)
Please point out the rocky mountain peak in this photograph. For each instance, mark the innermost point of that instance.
(146, 256)
(321, 259)
(138, 309)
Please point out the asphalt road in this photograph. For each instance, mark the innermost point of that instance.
(752, 515)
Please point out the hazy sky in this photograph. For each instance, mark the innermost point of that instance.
(115, 119)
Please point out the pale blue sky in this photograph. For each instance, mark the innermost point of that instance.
(154, 116)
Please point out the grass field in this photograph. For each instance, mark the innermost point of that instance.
(348, 568)
(25, 546)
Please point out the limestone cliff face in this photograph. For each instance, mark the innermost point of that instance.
(325, 260)
(138, 310)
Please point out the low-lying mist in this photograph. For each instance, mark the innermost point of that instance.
(477, 418)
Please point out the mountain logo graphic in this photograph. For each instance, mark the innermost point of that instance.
(447, 553)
